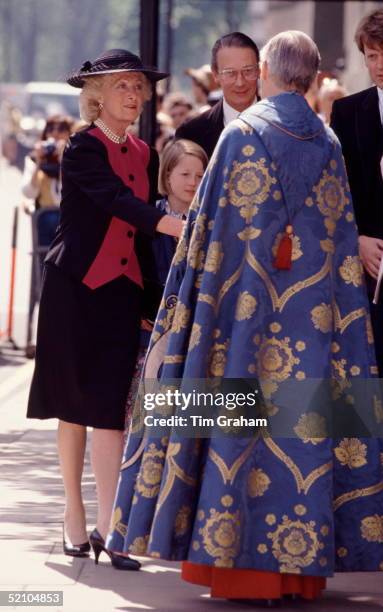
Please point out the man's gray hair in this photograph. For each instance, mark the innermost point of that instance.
(293, 60)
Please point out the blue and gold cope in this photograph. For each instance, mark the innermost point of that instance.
(307, 505)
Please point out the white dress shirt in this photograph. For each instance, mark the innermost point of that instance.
(380, 95)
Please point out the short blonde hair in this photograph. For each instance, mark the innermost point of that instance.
(171, 156)
(91, 93)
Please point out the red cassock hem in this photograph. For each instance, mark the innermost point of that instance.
(251, 584)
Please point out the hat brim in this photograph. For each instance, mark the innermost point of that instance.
(77, 79)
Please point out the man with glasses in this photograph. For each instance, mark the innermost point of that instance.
(234, 64)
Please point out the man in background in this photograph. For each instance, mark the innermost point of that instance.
(357, 121)
(234, 63)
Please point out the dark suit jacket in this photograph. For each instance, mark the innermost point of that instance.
(204, 129)
(356, 121)
(91, 195)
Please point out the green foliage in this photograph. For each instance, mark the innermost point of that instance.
(47, 39)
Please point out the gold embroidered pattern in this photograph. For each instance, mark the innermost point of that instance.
(174, 359)
(244, 127)
(351, 452)
(311, 427)
(139, 545)
(248, 150)
(321, 317)
(275, 327)
(249, 185)
(174, 471)
(227, 285)
(150, 474)
(227, 501)
(249, 233)
(356, 493)
(303, 484)
(371, 528)
(221, 537)
(369, 332)
(270, 519)
(262, 549)
(257, 483)
(279, 302)
(214, 257)
(275, 359)
(342, 324)
(351, 271)
(300, 510)
(330, 196)
(217, 359)
(207, 298)
(116, 524)
(181, 252)
(246, 306)
(195, 256)
(229, 474)
(195, 336)
(295, 544)
(181, 318)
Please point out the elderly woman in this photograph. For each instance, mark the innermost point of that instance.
(269, 289)
(94, 288)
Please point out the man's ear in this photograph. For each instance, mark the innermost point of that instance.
(216, 77)
(264, 70)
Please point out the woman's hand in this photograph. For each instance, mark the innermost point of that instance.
(171, 226)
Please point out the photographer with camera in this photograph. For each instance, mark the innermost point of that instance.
(41, 177)
(41, 182)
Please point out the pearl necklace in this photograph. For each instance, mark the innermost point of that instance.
(108, 132)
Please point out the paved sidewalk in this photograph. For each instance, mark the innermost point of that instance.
(30, 532)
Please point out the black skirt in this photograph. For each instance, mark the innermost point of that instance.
(87, 345)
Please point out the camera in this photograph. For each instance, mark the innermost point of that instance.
(50, 163)
(49, 149)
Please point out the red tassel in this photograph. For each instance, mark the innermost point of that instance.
(285, 250)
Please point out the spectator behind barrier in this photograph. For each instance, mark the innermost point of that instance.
(41, 177)
(41, 180)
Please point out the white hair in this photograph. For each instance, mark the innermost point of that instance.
(90, 95)
(293, 60)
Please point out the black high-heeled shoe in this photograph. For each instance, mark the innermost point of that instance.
(97, 543)
(75, 550)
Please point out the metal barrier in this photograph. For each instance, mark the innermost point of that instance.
(44, 224)
(6, 336)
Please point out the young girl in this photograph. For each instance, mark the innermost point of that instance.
(182, 165)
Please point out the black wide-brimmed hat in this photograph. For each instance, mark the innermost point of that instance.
(114, 60)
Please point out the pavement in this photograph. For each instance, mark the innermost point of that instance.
(31, 509)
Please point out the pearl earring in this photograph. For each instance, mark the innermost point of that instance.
(100, 106)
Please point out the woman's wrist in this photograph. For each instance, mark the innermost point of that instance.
(170, 225)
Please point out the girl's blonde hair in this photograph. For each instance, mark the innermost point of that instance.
(171, 156)
(91, 93)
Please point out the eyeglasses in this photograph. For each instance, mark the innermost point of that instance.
(249, 73)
